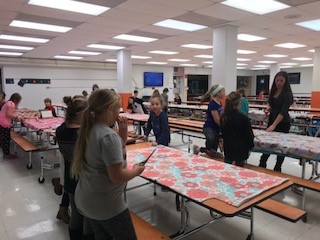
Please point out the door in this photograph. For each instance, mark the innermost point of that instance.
(262, 84)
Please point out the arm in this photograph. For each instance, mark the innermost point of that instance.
(149, 126)
(10, 112)
(165, 133)
(284, 111)
(117, 174)
(250, 135)
(138, 100)
(215, 116)
(54, 112)
(123, 128)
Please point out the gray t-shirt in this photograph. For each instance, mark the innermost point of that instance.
(96, 196)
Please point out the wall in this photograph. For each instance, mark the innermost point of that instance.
(305, 86)
(64, 82)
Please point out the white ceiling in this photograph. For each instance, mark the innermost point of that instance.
(138, 16)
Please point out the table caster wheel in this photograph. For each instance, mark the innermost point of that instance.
(41, 179)
(29, 166)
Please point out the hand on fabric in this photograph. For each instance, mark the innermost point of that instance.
(154, 144)
(270, 128)
(138, 169)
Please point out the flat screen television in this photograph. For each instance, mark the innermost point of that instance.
(294, 78)
(153, 79)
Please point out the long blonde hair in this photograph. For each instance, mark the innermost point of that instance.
(207, 96)
(99, 101)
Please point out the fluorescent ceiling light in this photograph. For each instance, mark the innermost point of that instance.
(258, 7)
(301, 59)
(241, 67)
(261, 66)
(249, 38)
(178, 60)
(275, 55)
(209, 66)
(139, 57)
(39, 26)
(243, 59)
(85, 53)
(111, 60)
(174, 24)
(307, 65)
(157, 63)
(290, 45)
(289, 64)
(257, 68)
(163, 52)
(313, 24)
(311, 50)
(242, 64)
(72, 6)
(286, 67)
(67, 57)
(15, 47)
(207, 62)
(203, 56)
(11, 53)
(268, 62)
(188, 65)
(239, 51)
(196, 46)
(135, 38)
(23, 39)
(103, 46)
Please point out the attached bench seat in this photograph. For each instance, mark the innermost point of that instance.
(22, 142)
(145, 231)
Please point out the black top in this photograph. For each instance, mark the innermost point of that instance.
(177, 100)
(280, 105)
(66, 138)
(237, 136)
(160, 126)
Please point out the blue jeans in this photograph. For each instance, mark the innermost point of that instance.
(212, 141)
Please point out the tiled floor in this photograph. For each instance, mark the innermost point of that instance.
(28, 209)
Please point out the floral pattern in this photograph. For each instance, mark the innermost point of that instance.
(136, 116)
(294, 145)
(201, 178)
(260, 116)
(44, 123)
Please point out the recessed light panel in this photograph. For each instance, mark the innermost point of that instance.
(261, 66)
(67, 57)
(307, 65)
(258, 7)
(84, 53)
(242, 64)
(245, 51)
(39, 26)
(243, 59)
(301, 59)
(178, 60)
(72, 6)
(184, 26)
(11, 53)
(203, 56)
(275, 55)
(249, 38)
(267, 62)
(188, 65)
(15, 47)
(139, 57)
(135, 38)
(111, 60)
(289, 64)
(157, 63)
(290, 45)
(103, 46)
(23, 39)
(313, 24)
(196, 46)
(163, 52)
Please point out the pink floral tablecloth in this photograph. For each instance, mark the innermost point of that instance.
(44, 124)
(136, 116)
(259, 115)
(201, 178)
(288, 144)
(26, 113)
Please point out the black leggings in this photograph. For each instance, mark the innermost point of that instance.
(119, 227)
(5, 137)
(281, 127)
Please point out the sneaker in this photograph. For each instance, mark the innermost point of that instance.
(218, 155)
(196, 149)
(10, 156)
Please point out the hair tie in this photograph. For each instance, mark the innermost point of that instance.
(218, 89)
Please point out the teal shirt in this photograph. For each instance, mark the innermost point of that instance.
(244, 109)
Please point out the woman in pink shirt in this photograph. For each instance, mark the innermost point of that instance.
(6, 117)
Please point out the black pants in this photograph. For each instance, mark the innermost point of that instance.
(65, 200)
(281, 127)
(212, 141)
(239, 163)
(5, 138)
(119, 227)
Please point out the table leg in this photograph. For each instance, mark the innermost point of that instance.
(184, 218)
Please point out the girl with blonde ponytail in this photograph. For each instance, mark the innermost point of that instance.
(100, 165)
(211, 128)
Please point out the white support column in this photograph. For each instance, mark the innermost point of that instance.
(224, 61)
(315, 94)
(124, 74)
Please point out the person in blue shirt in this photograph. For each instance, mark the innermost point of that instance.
(211, 128)
(158, 122)
(244, 105)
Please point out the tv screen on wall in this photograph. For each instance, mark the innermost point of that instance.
(294, 78)
(153, 79)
